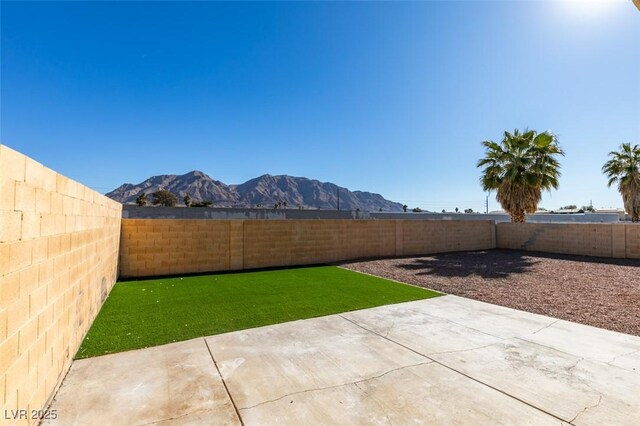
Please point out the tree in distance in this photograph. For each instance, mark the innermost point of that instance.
(203, 203)
(142, 199)
(624, 169)
(519, 168)
(164, 198)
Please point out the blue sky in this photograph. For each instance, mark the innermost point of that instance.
(392, 97)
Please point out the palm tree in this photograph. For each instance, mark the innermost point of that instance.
(519, 168)
(624, 168)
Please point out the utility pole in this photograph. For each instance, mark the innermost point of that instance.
(338, 198)
(486, 204)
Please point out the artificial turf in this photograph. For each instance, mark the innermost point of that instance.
(139, 314)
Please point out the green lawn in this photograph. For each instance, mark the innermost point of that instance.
(139, 314)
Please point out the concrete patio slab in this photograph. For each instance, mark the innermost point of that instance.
(170, 384)
(446, 360)
(412, 325)
(497, 321)
(558, 383)
(266, 363)
(595, 344)
(428, 394)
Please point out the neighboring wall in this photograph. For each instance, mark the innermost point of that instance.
(498, 218)
(156, 212)
(58, 261)
(606, 240)
(153, 212)
(173, 246)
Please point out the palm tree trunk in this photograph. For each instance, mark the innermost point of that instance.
(518, 216)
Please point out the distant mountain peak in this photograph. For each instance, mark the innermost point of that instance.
(265, 190)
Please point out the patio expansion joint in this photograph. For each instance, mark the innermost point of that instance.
(355, 383)
(464, 374)
(226, 388)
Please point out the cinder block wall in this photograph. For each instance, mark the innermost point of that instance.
(632, 241)
(58, 261)
(617, 240)
(173, 246)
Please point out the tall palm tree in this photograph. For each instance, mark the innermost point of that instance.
(519, 168)
(624, 168)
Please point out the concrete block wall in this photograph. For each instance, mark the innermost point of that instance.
(303, 242)
(617, 240)
(171, 246)
(445, 236)
(58, 261)
(632, 241)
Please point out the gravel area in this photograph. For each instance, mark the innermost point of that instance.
(595, 291)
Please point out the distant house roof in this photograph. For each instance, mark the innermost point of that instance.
(610, 210)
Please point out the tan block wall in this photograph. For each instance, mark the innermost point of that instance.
(632, 240)
(169, 246)
(304, 242)
(58, 262)
(423, 237)
(172, 246)
(617, 240)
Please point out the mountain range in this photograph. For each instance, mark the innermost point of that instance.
(264, 191)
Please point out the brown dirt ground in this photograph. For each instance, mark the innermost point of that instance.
(595, 291)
